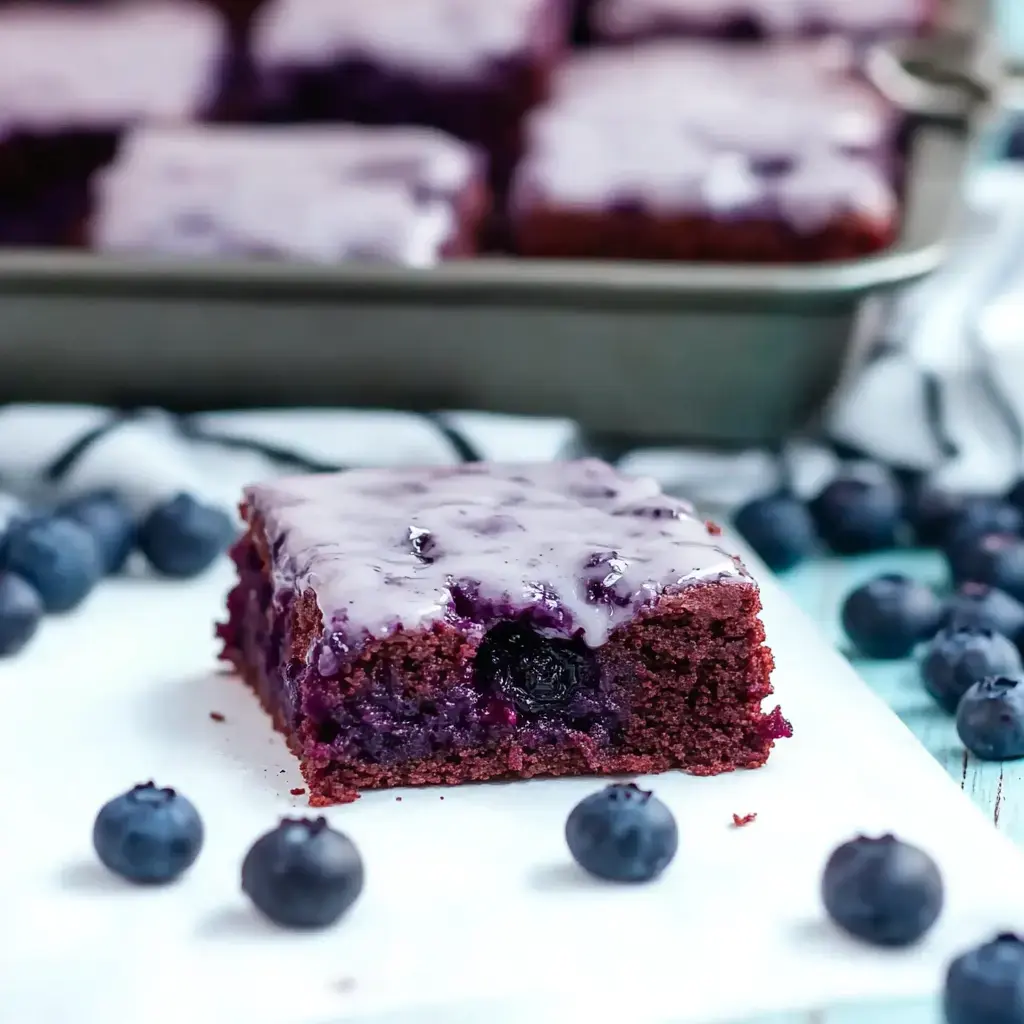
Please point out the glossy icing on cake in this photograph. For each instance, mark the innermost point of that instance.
(576, 547)
(446, 38)
(309, 193)
(63, 66)
(777, 132)
(774, 18)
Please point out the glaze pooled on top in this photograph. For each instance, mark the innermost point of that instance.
(776, 132)
(343, 193)
(63, 67)
(444, 38)
(576, 546)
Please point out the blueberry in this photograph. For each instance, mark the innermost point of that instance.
(21, 611)
(148, 835)
(931, 510)
(107, 517)
(956, 659)
(980, 515)
(779, 528)
(856, 515)
(1015, 495)
(622, 834)
(979, 606)
(303, 874)
(58, 557)
(182, 537)
(986, 984)
(882, 891)
(888, 616)
(990, 718)
(994, 558)
(537, 674)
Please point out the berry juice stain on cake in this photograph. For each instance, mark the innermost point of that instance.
(450, 624)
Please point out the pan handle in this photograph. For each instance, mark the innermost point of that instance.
(944, 80)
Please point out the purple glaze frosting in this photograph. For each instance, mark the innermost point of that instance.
(576, 547)
(861, 19)
(449, 39)
(64, 67)
(779, 132)
(318, 194)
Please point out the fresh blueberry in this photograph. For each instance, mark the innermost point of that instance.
(1015, 140)
(986, 984)
(882, 891)
(21, 611)
(182, 537)
(108, 518)
(58, 557)
(990, 718)
(303, 874)
(855, 515)
(622, 834)
(980, 515)
(888, 616)
(779, 528)
(994, 558)
(1015, 495)
(930, 511)
(148, 835)
(979, 606)
(537, 674)
(956, 659)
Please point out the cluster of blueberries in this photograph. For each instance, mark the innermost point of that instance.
(50, 560)
(972, 639)
(305, 875)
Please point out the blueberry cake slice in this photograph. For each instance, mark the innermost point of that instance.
(451, 624)
(407, 196)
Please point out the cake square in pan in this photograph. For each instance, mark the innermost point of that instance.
(409, 196)
(710, 152)
(73, 78)
(864, 21)
(470, 68)
(452, 624)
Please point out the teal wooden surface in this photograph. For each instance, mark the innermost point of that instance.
(819, 589)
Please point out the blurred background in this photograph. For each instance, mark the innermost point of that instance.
(681, 226)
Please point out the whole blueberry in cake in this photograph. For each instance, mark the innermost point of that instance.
(303, 874)
(622, 834)
(996, 559)
(882, 891)
(449, 624)
(985, 985)
(779, 528)
(979, 606)
(990, 718)
(148, 835)
(856, 515)
(956, 659)
(888, 616)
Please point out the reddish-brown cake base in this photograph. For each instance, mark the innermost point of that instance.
(551, 232)
(679, 686)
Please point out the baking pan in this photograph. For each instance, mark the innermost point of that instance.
(725, 354)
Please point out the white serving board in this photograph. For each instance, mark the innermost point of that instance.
(472, 912)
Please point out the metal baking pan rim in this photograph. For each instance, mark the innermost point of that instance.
(547, 282)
